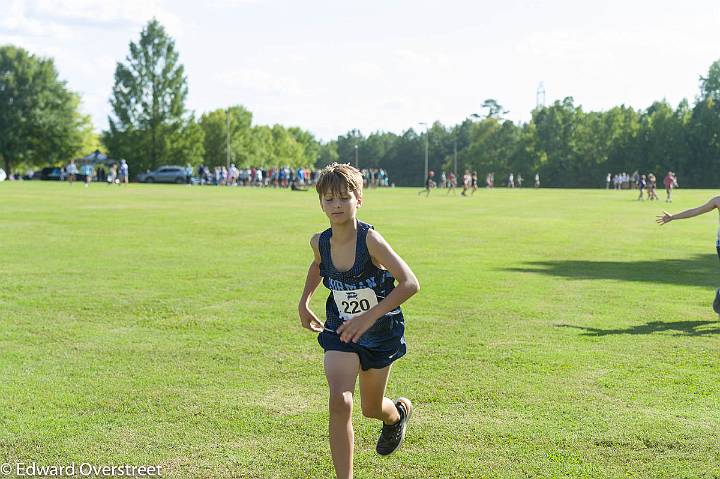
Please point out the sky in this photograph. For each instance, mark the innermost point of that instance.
(383, 65)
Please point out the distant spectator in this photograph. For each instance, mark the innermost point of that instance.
(112, 174)
(124, 172)
(296, 186)
(88, 171)
(232, 175)
(72, 171)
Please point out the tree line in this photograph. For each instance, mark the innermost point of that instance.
(150, 126)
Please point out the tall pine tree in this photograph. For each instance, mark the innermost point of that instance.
(148, 102)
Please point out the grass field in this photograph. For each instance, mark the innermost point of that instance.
(558, 333)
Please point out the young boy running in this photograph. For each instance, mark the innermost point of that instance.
(364, 330)
(714, 203)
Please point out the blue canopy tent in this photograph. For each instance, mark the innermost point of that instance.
(96, 158)
(90, 164)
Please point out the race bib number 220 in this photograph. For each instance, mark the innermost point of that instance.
(354, 302)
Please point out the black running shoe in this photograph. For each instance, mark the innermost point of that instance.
(392, 436)
(716, 303)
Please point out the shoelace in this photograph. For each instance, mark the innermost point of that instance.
(391, 433)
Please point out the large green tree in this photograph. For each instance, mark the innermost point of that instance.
(310, 146)
(287, 151)
(703, 131)
(148, 104)
(215, 126)
(328, 154)
(39, 119)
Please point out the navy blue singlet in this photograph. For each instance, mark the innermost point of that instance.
(363, 274)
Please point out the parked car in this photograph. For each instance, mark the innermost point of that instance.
(49, 174)
(164, 174)
(52, 173)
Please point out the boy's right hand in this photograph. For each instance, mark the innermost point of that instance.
(664, 218)
(309, 320)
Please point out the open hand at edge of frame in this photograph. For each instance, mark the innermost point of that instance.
(663, 218)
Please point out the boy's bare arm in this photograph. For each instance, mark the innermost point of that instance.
(407, 286)
(709, 206)
(308, 319)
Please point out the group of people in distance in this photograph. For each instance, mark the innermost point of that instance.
(647, 184)
(470, 182)
(278, 177)
(116, 174)
(650, 184)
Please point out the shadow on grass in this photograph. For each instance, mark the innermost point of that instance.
(681, 328)
(699, 270)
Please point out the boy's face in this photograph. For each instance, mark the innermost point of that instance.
(340, 207)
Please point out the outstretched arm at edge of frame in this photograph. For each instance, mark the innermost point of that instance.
(709, 206)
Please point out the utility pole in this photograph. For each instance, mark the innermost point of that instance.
(455, 169)
(426, 148)
(227, 139)
(540, 96)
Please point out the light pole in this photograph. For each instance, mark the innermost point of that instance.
(227, 139)
(426, 148)
(455, 165)
(356, 157)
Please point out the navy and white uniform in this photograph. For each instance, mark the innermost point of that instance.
(354, 292)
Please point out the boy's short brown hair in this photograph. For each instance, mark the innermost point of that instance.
(337, 178)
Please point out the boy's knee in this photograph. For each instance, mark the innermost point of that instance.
(341, 403)
(373, 411)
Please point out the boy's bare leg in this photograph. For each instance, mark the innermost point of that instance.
(372, 396)
(341, 370)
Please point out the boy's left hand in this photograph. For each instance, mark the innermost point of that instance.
(353, 329)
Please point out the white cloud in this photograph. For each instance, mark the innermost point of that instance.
(233, 3)
(62, 18)
(262, 82)
(15, 20)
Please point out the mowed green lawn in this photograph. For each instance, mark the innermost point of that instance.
(557, 333)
